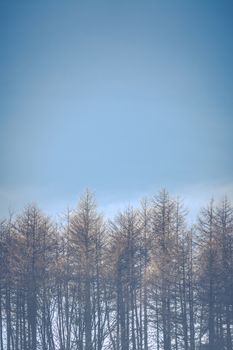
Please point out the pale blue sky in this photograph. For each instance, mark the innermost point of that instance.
(124, 97)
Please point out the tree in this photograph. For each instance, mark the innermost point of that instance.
(86, 228)
(145, 280)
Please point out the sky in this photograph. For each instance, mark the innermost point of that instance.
(123, 97)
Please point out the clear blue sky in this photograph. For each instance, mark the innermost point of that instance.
(124, 97)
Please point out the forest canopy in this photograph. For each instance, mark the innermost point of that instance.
(145, 280)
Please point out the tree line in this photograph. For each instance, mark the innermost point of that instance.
(145, 280)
